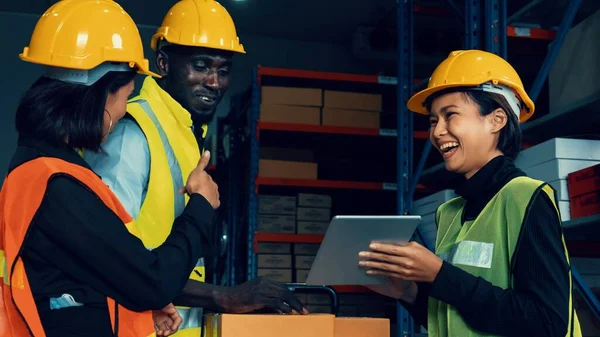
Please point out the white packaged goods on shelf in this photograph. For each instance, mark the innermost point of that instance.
(558, 168)
(565, 210)
(559, 148)
(562, 191)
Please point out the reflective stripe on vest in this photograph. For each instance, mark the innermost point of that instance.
(485, 247)
(18, 311)
(163, 159)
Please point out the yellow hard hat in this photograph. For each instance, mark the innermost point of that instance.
(199, 23)
(85, 35)
(475, 68)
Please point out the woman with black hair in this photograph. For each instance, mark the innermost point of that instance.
(70, 261)
(500, 267)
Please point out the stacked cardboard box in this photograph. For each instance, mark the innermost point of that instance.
(304, 249)
(291, 105)
(351, 109)
(313, 217)
(277, 214)
(426, 208)
(287, 163)
(553, 160)
(584, 192)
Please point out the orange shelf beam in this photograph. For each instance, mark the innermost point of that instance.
(341, 130)
(351, 289)
(285, 238)
(354, 185)
(530, 33)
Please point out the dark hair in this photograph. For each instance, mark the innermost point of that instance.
(510, 136)
(53, 110)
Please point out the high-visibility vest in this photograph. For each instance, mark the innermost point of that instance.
(20, 198)
(485, 248)
(174, 153)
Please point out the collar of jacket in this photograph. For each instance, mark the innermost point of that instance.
(154, 93)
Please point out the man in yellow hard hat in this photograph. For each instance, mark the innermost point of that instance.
(151, 152)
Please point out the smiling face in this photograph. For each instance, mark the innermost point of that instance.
(197, 78)
(466, 139)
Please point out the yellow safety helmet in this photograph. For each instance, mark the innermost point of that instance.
(199, 23)
(479, 70)
(81, 40)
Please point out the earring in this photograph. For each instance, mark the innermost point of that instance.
(110, 124)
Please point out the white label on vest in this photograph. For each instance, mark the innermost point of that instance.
(470, 253)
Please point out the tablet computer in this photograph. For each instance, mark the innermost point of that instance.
(336, 262)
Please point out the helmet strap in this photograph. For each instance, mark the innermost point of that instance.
(85, 77)
(511, 97)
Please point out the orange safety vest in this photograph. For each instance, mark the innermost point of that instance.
(20, 198)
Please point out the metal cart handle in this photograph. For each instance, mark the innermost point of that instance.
(302, 287)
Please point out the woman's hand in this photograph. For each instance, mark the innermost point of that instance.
(411, 262)
(166, 321)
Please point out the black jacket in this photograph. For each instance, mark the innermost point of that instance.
(77, 246)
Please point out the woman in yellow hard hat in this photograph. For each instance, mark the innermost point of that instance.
(70, 261)
(500, 265)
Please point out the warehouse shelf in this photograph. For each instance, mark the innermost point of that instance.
(334, 184)
(286, 238)
(352, 289)
(335, 130)
(530, 33)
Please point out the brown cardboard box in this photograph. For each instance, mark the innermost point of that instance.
(276, 204)
(312, 227)
(306, 248)
(352, 100)
(304, 261)
(276, 261)
(301, 275)
(249, 325)
(313, 214)
(361, 327)
(286, 169)
(292, 114)
(314, 200)
(292, 96)
(282, 224)
(279, 275)
(274, 248)
(351, 118)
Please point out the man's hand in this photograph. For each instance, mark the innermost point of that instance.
(260, 293)
(166, 321)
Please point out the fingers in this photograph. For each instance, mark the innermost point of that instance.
(293, 302)
(204, 160)
(182, 190)
(382, 266)
(405, 262)
(392, 249)
(282, 307)
(385, 273)
(176, 321)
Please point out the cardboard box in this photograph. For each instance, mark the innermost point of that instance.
(559, 148)
(279, 275)
(574, 78)
(250, 325)
(282, 224)
(291, 114)
(352, 100)
(287, 154)
(276, 204)
(292, 96)
(274, 248)
(557, 168)
(351, 118)
(276, 261)
(304, 261)
(301, 275)
(306, 248)
(312, 227)
(314, 200)
(313, 214)
(286, 169)
(362, 327)
(584, 181)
